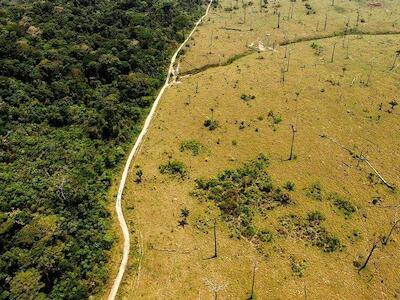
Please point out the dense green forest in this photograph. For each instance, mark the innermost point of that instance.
(76, 79)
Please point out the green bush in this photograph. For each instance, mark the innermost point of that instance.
(194, 146)
(314, 191)
(289, 186)
(211, 124)
(342, 204)
(315, 216)
(173, 167)
(243, 192)
(309, 229)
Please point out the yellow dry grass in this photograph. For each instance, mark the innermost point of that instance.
(338, 101)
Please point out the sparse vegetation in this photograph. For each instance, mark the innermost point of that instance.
(310, 230)
(298, 267)
(173, 167)
(289, 186)
(274, 119)
(314, 191)
(241, 193)
(318, 50)
(211, 124)
(342, 204)
(191, 145)
(246, 98)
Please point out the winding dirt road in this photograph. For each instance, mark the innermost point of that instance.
(118, 204)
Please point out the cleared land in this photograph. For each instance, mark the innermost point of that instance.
(343, 110)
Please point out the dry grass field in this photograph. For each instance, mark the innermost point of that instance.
(340, 95)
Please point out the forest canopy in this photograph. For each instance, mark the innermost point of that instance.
(76, 79)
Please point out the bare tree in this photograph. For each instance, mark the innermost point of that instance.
(387, 238)
(288, 62)
(294, 130)
(374, 246)
(283, 71)
(279, 19)
(396, 57)
(215, 240)
(333, 52)
(326, 22)
(215, 287)
(253, 281)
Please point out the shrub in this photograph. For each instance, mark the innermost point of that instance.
(274, 119)
(289, 186)
(191, 145)
(242, 193)
(139, 176)
(173, 167)
(298, 267)
(211, 124)
(315, 191)
(342, 204)
(318, 49)
(246, 98)
(265, 236)
(315, 216)
(309, 229)
(393, 103)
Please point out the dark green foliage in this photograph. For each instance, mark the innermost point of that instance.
(173, 167)
(289, 186)
(265, 236)
(393, 103)
(184, 215)
(194, 146)
(211, 124)
(274, 119)
(76, 79)
(315, 216)
(318, 48)
(342, 204)
(139, 176)
(241, 193)
(298, 267)
(309, 229)
(314, 191)
(246, 98)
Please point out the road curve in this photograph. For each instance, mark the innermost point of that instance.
(118, 206)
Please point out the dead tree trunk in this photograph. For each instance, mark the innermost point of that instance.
(333, 52)
(358, 18)
(326, 22)
(215, 240)
(292, 144)
(253, 281)
(279, 19)
(283, 70)
(386, 239)
(397, 55)
(369, 256)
